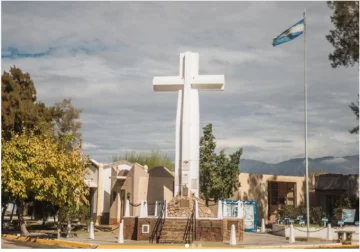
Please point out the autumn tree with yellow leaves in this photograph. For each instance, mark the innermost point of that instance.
(41, 149)
(39, 165)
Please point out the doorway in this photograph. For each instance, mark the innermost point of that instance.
(122, 200)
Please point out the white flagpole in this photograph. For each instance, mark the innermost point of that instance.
(306, 150)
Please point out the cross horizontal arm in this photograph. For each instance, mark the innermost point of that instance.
(208, 82)
(168, 83)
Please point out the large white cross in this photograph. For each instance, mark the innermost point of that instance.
(187, 118)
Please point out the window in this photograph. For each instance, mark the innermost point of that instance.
(145, 228)
(274, 193)
(282, 193)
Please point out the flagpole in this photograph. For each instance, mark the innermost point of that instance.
(306, 150)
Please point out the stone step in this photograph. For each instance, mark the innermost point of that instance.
(173, 233)
(168, 238)
(171, 242)
(175, 223)
(182, 227)
(180, 234)
(174, 228)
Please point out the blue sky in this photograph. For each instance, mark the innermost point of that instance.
(104, 55)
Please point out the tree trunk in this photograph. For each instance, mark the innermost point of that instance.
(33, 211)
(21, 220)
(43, 214)
(2, 218)
(60, 219)
(25, 209)
(68, 229)
(12, 212)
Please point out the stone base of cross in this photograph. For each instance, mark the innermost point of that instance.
(188, 84)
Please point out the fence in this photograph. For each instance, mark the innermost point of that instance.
(321, 232)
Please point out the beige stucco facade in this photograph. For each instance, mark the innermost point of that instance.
(160, 187)
(258, 187)
(125, 180)
(91, 179)
(137, 184)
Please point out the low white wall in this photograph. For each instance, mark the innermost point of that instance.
(281, 230)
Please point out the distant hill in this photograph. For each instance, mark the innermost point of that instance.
(296, 166)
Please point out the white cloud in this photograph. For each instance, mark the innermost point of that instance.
(335, 161)
(87, 146)
(104, 59)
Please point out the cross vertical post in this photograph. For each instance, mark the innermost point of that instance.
(187, 135)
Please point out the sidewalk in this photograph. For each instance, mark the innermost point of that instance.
(107, 240)
(251, 240)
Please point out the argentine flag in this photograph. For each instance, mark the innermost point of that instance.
(291, 33)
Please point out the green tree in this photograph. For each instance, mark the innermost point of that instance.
(38, 165)
(209, 174)
(355, 109)
(219, 174)
(152, 159)
(345, 36)
(345, 39)
(231, 174)
(19, 108)
(67, 121)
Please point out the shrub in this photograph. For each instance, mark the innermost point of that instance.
(344, 203)
(316, 214)
(288, 211)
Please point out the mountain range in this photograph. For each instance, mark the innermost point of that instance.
(296, 166)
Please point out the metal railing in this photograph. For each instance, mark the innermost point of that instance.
(156, 233)
(190, 230)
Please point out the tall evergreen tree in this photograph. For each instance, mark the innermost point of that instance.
(208, 172)
(355, 109)
(345, 36)
(345, 39)
(19, 108)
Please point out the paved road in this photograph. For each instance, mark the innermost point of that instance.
(14, 244)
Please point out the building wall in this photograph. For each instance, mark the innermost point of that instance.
(116, 203)
(128, 186)
(93, 202)
(107, 190)
(255, 187)
(140, 180)
(332, 187)
(353, 185)
(118, 186)
(160, 187)
(106, 186)
(91, 174)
